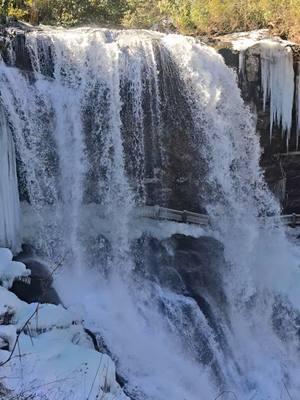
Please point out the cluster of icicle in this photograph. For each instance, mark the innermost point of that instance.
(277, 78)
(298, 102)
(278, 82)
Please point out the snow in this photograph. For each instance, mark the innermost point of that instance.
(48, 317)
(11, 270)
(51, 365)
(9, 303)
(8, 334)
(244, 40)
(55, 358)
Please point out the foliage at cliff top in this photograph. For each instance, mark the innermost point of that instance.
(197, 17)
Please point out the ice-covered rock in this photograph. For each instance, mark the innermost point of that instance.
(271, 58)
(9, 305)
(298, 103)
(10, 224)
(268, 71)
(11, 270)
(277, 81)
(40, 289)
(8, 334)
(49, 316)
(55, 358)
(54, 367)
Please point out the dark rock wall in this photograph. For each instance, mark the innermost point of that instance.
(193, 268)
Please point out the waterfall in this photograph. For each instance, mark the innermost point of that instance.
(104, 121)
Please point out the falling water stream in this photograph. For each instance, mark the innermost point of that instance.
(97, 122)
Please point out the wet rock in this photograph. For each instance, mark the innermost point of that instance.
(186, 265)
(40, 288)
(286, 321)
(193, 299)
(191, 268)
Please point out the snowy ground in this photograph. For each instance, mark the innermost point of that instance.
(51, 356)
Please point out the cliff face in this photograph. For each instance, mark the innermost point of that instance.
(172, 161)
(268, 72)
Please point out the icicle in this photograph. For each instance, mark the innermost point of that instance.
(9, 195)
(298, 106)
(242, 63)
(277, 77)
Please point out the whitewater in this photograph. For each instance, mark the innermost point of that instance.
(92, 127)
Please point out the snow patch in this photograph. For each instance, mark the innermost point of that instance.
(51, 365)
(8, 334)
(47, 318)
(9, 304)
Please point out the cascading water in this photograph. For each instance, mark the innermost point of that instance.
(104, 121)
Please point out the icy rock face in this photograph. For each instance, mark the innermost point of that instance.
(277, 82)
(271, 59)
(268, 70)
(57, 358)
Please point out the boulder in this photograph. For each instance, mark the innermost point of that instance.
(40, 288)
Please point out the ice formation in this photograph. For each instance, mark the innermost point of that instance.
(277, 75)
(298, 103)
(10, 235)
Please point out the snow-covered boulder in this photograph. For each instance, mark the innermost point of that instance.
(53, 357)
(11, 270)
(56, 368)
(8, 334)
(48, 317)
(9, 306)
